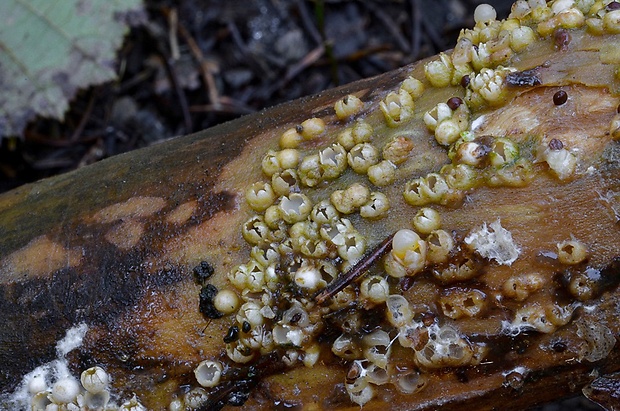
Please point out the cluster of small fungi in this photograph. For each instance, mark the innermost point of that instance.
(322, 190)
(92, 392)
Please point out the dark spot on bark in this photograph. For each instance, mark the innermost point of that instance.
(559, 346)
(38, 312)
(604, 391)
(240, 381)
(561, 39)
(521, 346)
(526, 78)
(461, 375)
(238, 398)
(212, 203)
(406, 283)
(609, 275)
(337, 398)
(427, 318)
(555, 144)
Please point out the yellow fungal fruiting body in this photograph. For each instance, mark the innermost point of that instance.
(322, 173)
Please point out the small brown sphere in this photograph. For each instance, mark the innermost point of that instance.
(454, 103)
(560, 98)
(555, 144)
(465, 80)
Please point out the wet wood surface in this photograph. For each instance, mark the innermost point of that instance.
(113, 245)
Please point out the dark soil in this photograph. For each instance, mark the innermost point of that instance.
(194, 64)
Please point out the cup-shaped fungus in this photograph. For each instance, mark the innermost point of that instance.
(377, 348)
(295, 207)
(426, 220)
(285, 182)
(332, 161)
(208, 373)
(94, 380)
(362, 156)
(408, 255)
(398, 310)
(440, 244)
(397, 108)
(65, 390)
(382, 174)
(348, 106)
(439, 72)
(571, 252)
(345, 347)
(375, 289)
(376, 207)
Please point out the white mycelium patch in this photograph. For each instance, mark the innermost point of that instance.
(47, 374)
(495, 244)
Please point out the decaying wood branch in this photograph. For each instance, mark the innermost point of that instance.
(188, 272)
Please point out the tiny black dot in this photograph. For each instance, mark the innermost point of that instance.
(559, 346)
(296, 317)
(237, 399)
(232, 335)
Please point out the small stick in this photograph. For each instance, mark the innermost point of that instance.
(207, 68)
(356, 271)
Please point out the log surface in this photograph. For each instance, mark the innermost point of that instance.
(113, 245)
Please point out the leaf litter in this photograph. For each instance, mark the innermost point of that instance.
(51, 49)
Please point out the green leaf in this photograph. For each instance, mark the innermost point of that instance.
(49, 49)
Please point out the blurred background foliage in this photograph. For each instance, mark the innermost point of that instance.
(190, 64)
(50, 49)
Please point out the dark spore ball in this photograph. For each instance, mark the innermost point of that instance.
(203, 271)
(206, 307)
